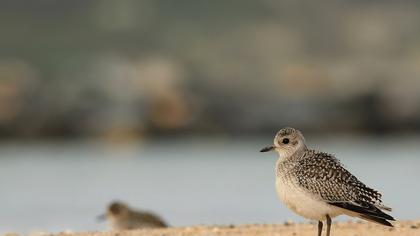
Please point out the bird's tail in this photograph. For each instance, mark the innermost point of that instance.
(376, 220)
(368, 212)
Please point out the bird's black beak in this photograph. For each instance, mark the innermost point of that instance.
(101, 217)
(267, 149)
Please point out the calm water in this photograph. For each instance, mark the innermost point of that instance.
(64, 186)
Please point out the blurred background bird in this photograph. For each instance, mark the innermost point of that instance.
(121, 217)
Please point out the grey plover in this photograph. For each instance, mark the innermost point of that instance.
(122, 217)
(316, 186)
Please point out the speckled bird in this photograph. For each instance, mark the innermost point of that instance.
(315, 185)
(122, 217)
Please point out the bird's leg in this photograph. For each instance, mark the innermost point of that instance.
(328, 225)
(319, 228)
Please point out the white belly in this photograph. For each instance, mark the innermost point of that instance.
(304, 204)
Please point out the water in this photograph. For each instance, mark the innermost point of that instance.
(64, 186)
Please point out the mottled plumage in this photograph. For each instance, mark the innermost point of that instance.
(322, 174)
(315, 185)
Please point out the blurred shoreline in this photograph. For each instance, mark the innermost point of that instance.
(140, 68)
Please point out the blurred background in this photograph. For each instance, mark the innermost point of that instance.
(165, 105)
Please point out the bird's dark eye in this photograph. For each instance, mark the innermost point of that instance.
(285, 141)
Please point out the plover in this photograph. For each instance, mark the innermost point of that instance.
(122, 217)
(315, 185)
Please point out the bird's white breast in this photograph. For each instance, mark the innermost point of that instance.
(303, 203)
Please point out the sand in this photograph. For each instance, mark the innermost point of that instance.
(402, 228)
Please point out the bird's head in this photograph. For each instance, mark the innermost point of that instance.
(286, 142)
(117, 209)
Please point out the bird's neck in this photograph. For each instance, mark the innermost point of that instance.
(287, 160)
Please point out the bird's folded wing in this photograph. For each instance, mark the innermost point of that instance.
(322, 175)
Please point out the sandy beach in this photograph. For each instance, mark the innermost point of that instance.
(402, 228)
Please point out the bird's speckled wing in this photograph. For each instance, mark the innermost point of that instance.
(323, 175)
